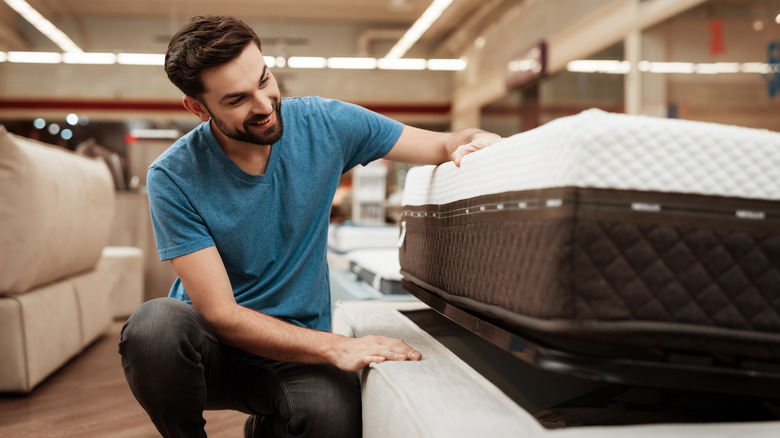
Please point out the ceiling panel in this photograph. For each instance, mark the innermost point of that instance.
(372, 11)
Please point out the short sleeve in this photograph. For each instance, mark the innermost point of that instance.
(178, 228)
(365, 136)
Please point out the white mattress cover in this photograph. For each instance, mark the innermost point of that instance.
(383, 263)
(344, 238)
(616, 151)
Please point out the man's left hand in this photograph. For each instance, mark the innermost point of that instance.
(480, 141)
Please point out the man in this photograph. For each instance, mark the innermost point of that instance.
(240, 207)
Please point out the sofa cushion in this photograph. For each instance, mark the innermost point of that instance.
(38, 334)
(56, 211)
(45, 327)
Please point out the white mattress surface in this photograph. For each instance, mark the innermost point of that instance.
(597, 149)
(383, 263)
(344, 238)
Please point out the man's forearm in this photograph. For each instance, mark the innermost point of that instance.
(272, 338)
(420, 146)
(203, 275)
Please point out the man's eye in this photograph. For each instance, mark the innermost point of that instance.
(236, 101)
(265, 80)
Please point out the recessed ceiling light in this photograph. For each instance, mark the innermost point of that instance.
(43, 25)
(419, 27)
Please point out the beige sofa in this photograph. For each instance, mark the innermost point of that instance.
(56, 275)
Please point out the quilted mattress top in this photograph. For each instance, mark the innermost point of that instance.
(616, 151)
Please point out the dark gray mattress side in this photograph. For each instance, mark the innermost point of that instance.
(664, 270)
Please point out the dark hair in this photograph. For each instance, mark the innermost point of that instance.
(204, 43)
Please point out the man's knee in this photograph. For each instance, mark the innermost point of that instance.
(156, 320)
(160, 329)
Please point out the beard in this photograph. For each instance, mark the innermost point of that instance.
(267, 138)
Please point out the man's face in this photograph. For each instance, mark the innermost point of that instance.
(243, 99)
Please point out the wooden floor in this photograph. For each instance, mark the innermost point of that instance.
(89, 398)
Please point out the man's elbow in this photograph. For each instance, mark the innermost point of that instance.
(222, 318)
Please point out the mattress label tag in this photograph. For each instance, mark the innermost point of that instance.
(402, 237)
(642, 206)
(747, 214)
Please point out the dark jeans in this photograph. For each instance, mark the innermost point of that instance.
(177, 368)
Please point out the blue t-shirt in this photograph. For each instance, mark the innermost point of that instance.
(271, 229)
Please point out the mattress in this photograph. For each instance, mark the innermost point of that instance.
(377, 267)
(607, 234)
(345, 238)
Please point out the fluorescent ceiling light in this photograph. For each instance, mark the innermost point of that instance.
(777, 19)
(302, 62)
(402, 64)
(667, 67)
(352, 63)
(43, 25)
(419, 27)
(622, 67)
(447, 64)
(599, 66)
(88, 58)
(35, 57)
(717, 67)
(140, 58)
(155, 133)
(755, 67)
(307, 62)
(672, 67)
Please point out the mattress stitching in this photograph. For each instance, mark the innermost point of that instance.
(537, 203)
(731, 299)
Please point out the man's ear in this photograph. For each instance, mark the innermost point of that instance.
(196, 108)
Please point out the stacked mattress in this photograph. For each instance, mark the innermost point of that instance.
(610, 230)
(378, 268)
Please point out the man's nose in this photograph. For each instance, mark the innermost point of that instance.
(261, 103)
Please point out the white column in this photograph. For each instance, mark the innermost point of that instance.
(654, 85)
(633, 80)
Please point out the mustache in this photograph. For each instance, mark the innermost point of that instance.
(260, 117)
(256, 118)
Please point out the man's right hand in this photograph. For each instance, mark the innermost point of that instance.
(353, 354)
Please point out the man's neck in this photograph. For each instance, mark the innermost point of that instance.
(249, 157)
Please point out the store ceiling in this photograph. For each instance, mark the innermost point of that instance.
(400, 11)
(461, 22)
